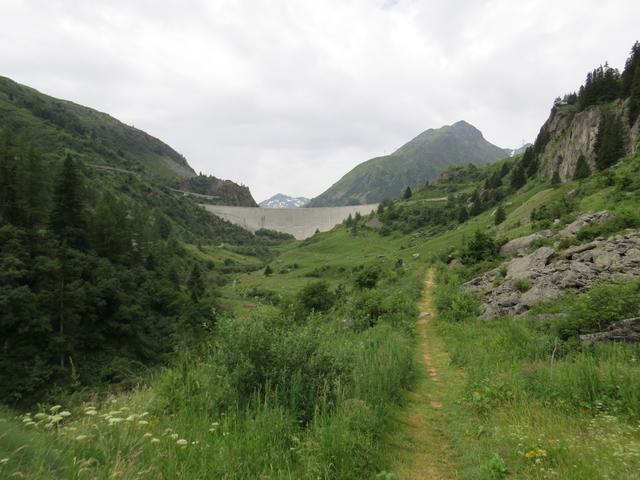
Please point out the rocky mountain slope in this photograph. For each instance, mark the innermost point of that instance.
(414, 163)
(57, 126)
(280, 200)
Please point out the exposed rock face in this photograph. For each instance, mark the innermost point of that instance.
(574, 134)
(545, 274)
(583, 221)
(623, 331)
(521, 244)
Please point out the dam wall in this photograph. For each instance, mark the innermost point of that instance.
(300, 222)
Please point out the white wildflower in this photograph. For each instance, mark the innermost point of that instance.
(155, 440)
(65, 414)
(55, 408)
(143, 422)
(182, 442)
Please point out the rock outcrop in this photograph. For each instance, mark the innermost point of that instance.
(546, 273)
(583, 221)
(574, 134)
(623, 331)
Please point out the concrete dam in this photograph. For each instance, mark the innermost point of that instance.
(299, 222)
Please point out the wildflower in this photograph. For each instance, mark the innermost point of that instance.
(40, 416)
(55, 418)
(55, 408)
(65, 414)
(143, 422)
(155, 440)
(114, 420)
(90, 412)
(79, 438)
(535, 454)
(29, 424)
(144, 414)
(182, 442)
(173, 436)
(3, 461)
(130, 418)
(147, 435)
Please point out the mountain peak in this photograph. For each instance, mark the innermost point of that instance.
(280, 200)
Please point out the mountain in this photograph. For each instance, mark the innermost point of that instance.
(413, 164)
(520, 151)
(280, 200)
(58, 126)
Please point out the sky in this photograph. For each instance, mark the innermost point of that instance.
(288, 95)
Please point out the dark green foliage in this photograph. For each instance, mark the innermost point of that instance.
(500, 215)
(601, 86)
(479, 248)
(68, 218)
(316, 297)
(547, 213)
(407, 193)
(609, 146)
(582, 170)
(518, 177)
(196, 283)
(368, 277)
(555, 180)
(89, 275)
(634, 97)
(630, 70)
(268, 271)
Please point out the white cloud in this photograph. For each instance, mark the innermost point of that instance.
(289, 95)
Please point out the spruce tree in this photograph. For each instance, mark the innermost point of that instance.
(634, 100)
(518, 177)
(407, 193)
(582, 168)
(68, 221)
(196, 284)
(609, 146)
(500, 215)
(268, 271)
(555, 179)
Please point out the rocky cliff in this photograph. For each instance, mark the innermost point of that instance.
(572, 133)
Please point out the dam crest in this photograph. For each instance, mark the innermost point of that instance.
(300, 222)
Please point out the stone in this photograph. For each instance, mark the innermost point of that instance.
(583, 221)
(540, 293)
(522, 267)
(623, 331)
(520, 244)
(604, 259)
(633, 255)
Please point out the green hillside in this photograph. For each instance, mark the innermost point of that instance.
(413, 164)
(58, 126)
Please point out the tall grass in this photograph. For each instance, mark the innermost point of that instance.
(266, 396)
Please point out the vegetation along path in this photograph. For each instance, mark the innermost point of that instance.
(420, 448)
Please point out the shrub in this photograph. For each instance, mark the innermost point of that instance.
(368, 277)
(480, 247)
(315, 297)
(522, 284)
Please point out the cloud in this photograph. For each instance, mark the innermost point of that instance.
(288, 96)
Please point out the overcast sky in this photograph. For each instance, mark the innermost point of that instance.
(288, 95)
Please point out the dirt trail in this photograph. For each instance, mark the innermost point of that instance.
(420, 446)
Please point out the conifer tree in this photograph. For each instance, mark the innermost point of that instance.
(555, 179)
(407, 193)
(196, 284)
(634, 100)
(518, 177)
(68, 220)
(582, 168)
(500, 215)
(268, 271)
(609, 146)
